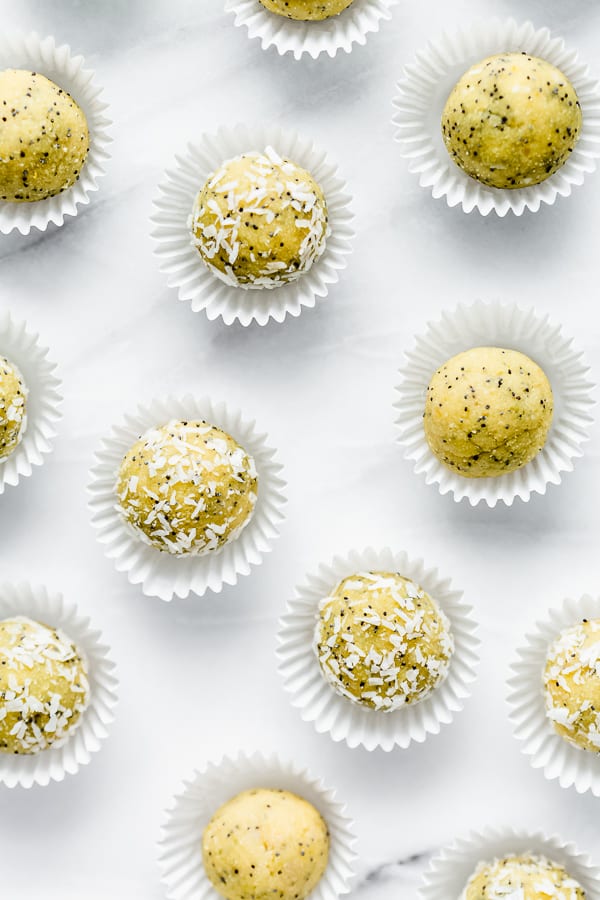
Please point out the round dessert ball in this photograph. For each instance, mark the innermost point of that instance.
(306, 10)
(382, 641)
(13, 407)
(526, 877)
(512, 120)
(44, 137)
(187, 487)
(572, 685)
(43, 686)
(488, 412)
(260, 221)
(265, 844)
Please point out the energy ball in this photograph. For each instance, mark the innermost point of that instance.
(265, 844)
(511, 121)
(43, 686)
(488, 412)
(44, 137)
(572, 685)
(381, 641)
(524, 877)
(307, 10)
(260, 221)
(187, 487)
(13, 407)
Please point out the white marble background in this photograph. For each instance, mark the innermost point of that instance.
(199, 677)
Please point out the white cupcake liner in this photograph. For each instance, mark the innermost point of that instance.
(546, 749)
(53, 764)
(451, 869)
(213, 785)
(341, 32)
(161, 574)
(340, 718)
(500, 325)
(30, 51)
(180, 260)
(426, 84)
(22, 348)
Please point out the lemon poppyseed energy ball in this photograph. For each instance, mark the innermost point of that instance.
(382, 641)
(523, 877)
(487, 412)
(511, 121)
(13, 407)
(43, 686)
(187, 487)
(265, 845)
(44, 137)
(260, 221)
(572, 685)
(306, 10)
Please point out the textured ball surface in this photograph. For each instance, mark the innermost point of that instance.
(307, 10)
(511, 121)
(265, 844)
(524, 877)
(13, 407)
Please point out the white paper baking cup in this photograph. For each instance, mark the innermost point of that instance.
(180, 260)
(451, 869)
(161, 574)
(546, 749)
(30, 51)
(180, 856)
(340, 718)
(76, 750)
(22, 348)
(341, 32)
(497, 325)
(426, 84)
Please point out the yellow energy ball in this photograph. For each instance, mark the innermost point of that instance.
(381, 641)
(307, 10)
(572, 685)
(525, 877)
(44, 137)
(265, 844)
(488, 412)
(43, 686)
(260, 221)
(511, 121)
(187, 487)
(13, 407)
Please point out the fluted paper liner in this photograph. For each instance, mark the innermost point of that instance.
(161, 574)
(343, 720)
(180, 259)
(513, 328)
(213, 785)
(341, 32)
(426, 84)
(451, 869)
(22, 348)
(56, 62)
(91, 730)
(546, 749)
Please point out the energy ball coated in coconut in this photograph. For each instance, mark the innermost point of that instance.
(572, 685)
(382, 641)
(511, 121)
(43, 686)
(265, 844)
(487, 412)
(524, 877)
(13, 408)
(187, 487)
(306, 10)
(44, 139)
(260, 221)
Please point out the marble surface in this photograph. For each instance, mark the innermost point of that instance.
(198, 678)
